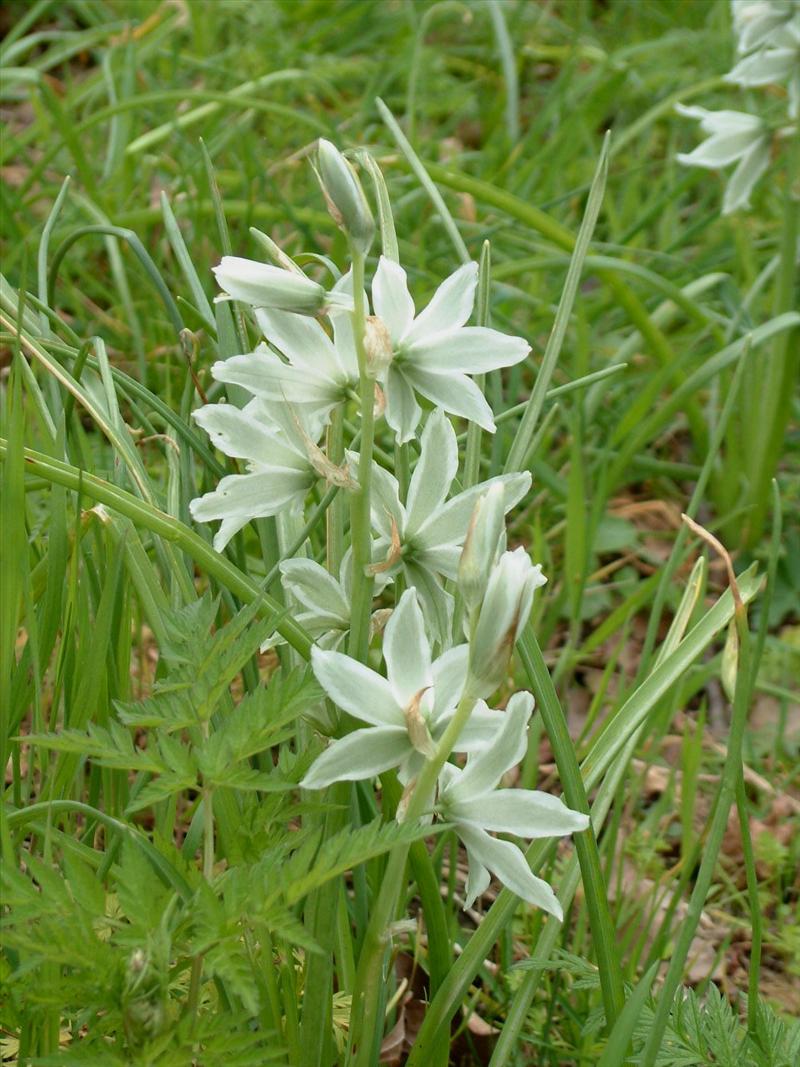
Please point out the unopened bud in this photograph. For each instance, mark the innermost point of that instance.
(503, 613)
(344, 196)
(378, 346)
(485, 537)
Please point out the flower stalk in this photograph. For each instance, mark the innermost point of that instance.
(360, 501)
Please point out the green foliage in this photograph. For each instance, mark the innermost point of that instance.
(160, 866)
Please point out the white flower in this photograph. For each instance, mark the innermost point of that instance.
(485, 538)
(470, 801)
(423, 538)
(324, 601)
(408, 710)
(263, 285)
(778, 61)
(317, 373)
(280, 471)
(501, 617)
(733, 136)
(755, 21)
(435, 352)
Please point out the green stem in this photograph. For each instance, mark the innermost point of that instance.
(334, 530)
(360, 499)
(365, 1023)
(779, 373)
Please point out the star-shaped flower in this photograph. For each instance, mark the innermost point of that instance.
(733, 135)
(408, 710)
(423, 539)
(276, 444)
(314, 370)
(435, 352)
(469, 800)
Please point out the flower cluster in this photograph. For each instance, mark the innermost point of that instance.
(429, 542)
(768, 44)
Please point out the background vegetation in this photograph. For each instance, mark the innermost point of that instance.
(181, 125)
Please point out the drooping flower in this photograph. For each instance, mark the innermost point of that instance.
(470, 801)
(777, 61)
(315, 371)
(423, 538)
(500, 618)
(275, 443)
(434, 352)
(265, 286)
(733, 136)
(756, 21)
(325, 601)
(407, 711)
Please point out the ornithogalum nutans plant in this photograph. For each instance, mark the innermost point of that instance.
(414, 700)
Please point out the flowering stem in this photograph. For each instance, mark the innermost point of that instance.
(334, 530)
(359, 507)
(779, 372)
(364, 1024)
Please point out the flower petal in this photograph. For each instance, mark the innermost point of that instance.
(402, 410)
(768, 66)
(435, 601)
(356, 689)
(391, 299)
(344, 342)
(385, 502)
(485, 769)
(302, 340)
(449, 675)
(265, 374)
(454, 392)
(362, 754)
(406, 650)
(509, 865)
(317, 590)
(471, 350)
(717, 151)
(524, 812)
(237, 433)
(450, 306)
(478, 879)
(261, 284)
(481, 731)
(251, 496)
(742, 181)
(228, 528)
(450, 525)
(434, 472)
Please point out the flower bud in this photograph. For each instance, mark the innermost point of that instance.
(378, 346)
(484, 537)
(344, 196)
(262, 285)
(502, 615)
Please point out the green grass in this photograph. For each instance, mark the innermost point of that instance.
(141, 879)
